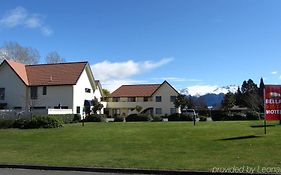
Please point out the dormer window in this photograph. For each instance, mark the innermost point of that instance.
(87, 90)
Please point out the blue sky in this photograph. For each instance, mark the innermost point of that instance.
(187, 42)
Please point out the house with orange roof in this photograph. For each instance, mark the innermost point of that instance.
(48, 86)
(154, 99)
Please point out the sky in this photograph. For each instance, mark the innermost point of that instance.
(189, 43)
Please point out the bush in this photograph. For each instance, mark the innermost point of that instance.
(138, 118)
(202, 118)
(157, 119)
(20, 123)
(66, 118)
(219, 115)
(43, 122)
(4, 124)
(180, 117)
(118, 119)
(76, 118)
(252, 115)
(95, 118)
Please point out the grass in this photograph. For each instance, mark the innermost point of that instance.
(163, 145)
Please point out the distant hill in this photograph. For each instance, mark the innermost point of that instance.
(212, 95)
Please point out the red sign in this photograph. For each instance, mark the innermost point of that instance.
(272, 99)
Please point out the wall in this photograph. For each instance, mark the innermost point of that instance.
(79, 94)
(165, 91)
(15, 89)
(55, 95)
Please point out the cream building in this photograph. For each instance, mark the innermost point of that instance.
(154, 99)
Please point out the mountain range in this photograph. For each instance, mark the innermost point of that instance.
(212, 95)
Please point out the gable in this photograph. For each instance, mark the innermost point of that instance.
(166, 87)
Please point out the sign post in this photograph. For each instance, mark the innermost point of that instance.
(272, 103)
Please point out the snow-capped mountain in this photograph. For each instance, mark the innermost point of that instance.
(206, 89)
(212, 95)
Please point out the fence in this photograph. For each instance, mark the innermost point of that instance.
(17, 114)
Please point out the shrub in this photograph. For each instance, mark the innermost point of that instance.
(42, 122)
(252, 115)
(184, 117)
(174, 117)
(138, 118)
(118, 119)
(65, 118)
(202, 118)
(20, 123)
(95, 118)
(180, 117)
(76, 118)
(219, 115)
(4, 124)
(157, 119)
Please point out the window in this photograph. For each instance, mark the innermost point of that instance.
(87, 90)
(115, 99)
(78, 110)
(116, 111)
(131, 99)
(44, 90)
(158, 111)
(2, 93)
(33, 92)
(173, 110)
(158, 98)
(173, 98)
(17, 107)
(145, 98)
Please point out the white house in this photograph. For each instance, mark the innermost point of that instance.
(44, 86)
(155, 99)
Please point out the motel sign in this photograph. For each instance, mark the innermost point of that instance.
(272, 102)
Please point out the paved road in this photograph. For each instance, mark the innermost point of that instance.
(7, 171)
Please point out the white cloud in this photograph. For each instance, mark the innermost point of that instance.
(20, 17)
(274, 72)
(178, 79)
(114, 74)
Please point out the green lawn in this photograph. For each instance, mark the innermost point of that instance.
(163, 145)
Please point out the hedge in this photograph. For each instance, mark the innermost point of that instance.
(138, 117)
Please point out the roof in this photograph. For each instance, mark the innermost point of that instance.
(19, 69)
(144, 90)
(48, 74)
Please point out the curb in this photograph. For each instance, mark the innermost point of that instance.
(117, 170)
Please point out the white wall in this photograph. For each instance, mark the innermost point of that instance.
(55, 95)
(15, 89)
(79, 94)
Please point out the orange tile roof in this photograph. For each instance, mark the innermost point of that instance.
(49, 74)
(145, 90)
(19, 69)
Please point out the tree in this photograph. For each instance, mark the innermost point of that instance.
(54, 57)
(250, 95)
(261, 95)
(106, 92)
(138, 108)
(228, 101)
(14, 51)
(181, 101)
(97, 106)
